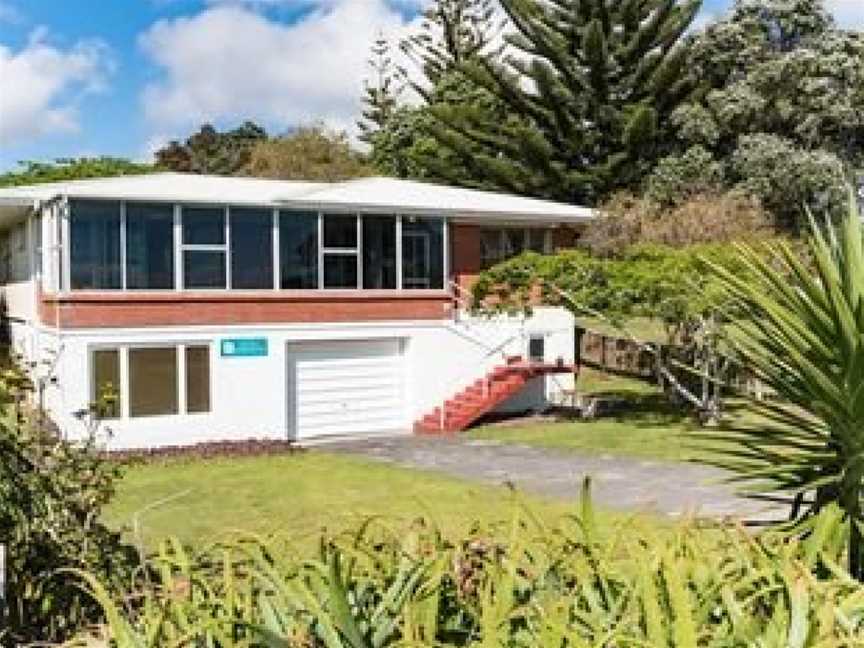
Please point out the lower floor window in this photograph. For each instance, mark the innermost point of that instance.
(153, 382)
(158, 381)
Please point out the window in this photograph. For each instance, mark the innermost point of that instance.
(422, 253)
(298, 250)
(340, 231)
(197, 379)
(379, 252)
(251, 249)
(95, 245)
(153, 381)
(340, 252)
(149, 246)
(204, 247)
(106, 382)
(500, 244)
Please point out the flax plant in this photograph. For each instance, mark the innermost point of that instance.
(800, 328)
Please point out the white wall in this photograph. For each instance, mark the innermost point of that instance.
(248, 395)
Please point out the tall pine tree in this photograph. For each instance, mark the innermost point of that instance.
(451, 33)
(381, 91)
(587, 86)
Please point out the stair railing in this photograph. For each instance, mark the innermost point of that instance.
(498, 329)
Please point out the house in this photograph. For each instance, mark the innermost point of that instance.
(217, 308)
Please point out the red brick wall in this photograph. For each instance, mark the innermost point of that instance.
(86, 310)
(465, 254)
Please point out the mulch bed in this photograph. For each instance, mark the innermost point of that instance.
(210, 450)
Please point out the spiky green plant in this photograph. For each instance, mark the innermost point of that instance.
(523, 584)
(801, 329)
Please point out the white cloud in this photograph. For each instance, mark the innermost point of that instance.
(849, 13)
(43, 85)
(230, 62)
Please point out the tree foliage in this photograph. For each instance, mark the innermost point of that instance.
(308, 153)
(210, 151)
(451, 33)
(779, 112)
(66, 169)
(577, 106)
(380, 93)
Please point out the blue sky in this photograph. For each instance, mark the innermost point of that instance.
(121, 77)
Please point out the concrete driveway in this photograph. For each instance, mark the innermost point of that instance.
(622, 483)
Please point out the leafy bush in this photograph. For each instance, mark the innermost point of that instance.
(567, 585)
(51, 497)
(702, 218)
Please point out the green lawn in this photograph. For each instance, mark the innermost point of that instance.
(300, 495)
(650, 428)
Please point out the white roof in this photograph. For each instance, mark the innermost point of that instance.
(364, 194)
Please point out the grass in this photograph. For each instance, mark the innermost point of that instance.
(299, 495)
(649, 431)
(643, 328)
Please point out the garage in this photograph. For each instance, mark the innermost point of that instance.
(346, 388)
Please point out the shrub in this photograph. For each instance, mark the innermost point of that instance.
(567, 585)
(628, 220)
(51, 497)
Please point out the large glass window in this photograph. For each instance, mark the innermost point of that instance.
(149, 246)
(203, 269)
(204, 247)
(197, 379)
(340, 231)
(340, 251)
(106, 382)
(379, 252)
(340, 271)
(95, 245)
(422, 253)
(298, 250)
(251, 248)
(203, 226)
(153, 381)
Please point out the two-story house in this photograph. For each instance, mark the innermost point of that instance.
(218, 308)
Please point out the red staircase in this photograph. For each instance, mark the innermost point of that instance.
(481, 396)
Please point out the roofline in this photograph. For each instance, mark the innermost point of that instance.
(369, 208)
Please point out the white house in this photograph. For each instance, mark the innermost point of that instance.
(229, 308)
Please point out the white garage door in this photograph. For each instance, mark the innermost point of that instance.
(345, 388)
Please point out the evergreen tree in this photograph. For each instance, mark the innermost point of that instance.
(212, 151)
(381, 92)
(587, 87)
(451, 33)
(780, 111)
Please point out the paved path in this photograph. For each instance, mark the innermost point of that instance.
(623, 483)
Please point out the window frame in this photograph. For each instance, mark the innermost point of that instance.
(180, 248)
(224, 248)
(323, 252)
(502, 230)
(123, 391)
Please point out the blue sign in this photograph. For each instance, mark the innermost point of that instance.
(244, 347)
